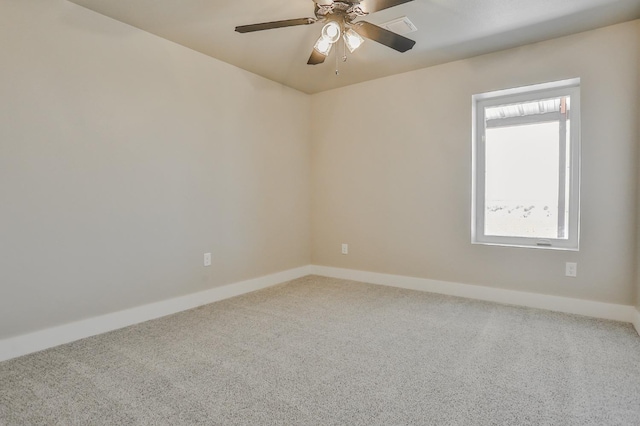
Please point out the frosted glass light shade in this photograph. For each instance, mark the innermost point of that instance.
(352, 39)
(323, 46)
(331, 32)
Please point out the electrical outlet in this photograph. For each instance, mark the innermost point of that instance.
(571, 269)
(207, 259)
(345, 248)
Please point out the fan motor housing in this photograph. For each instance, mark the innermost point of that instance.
(347, 10)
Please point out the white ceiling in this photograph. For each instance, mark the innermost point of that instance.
(447, 30)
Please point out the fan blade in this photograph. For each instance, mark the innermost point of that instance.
(382, 36)
(316, 58)
(370, 6)
(275, 24)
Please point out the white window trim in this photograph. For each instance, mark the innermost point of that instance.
(569, 87)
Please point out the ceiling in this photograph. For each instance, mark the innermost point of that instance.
(447, 30)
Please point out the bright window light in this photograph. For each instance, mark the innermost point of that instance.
(526, 160)
(522, 181)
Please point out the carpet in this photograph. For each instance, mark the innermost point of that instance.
(322, 351)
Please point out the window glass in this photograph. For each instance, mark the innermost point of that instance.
(526, 181)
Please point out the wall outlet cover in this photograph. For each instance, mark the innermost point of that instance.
(571, 269)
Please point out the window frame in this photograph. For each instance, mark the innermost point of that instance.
(523, 94)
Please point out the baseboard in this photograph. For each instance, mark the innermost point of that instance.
(636, 320)
(533, 300)
(33, 342)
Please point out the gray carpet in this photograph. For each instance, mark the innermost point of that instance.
(322, 351)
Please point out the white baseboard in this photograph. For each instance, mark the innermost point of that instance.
(533, 300)
(636, 320)
(33, 342)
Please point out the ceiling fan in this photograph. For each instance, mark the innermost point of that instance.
(339, 17)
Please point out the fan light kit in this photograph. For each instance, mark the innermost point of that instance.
(338, 17)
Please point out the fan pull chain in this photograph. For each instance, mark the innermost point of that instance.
(344, 53)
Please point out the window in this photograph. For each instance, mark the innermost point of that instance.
(526, 166)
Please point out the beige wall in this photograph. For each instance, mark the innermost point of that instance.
(638, 206)
(124, 158)
(391, 170)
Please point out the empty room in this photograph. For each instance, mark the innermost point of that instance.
(319, 212)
